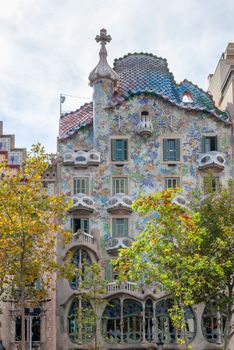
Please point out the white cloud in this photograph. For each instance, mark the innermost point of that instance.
(48, 47)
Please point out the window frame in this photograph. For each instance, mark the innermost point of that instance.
(81, 178)
(82, 219)
(204, 139)
(114, 229)
(176, 149)
(176, 178)
(125, 150)
(113, 184)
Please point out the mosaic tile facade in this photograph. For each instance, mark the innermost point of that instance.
(137, 107)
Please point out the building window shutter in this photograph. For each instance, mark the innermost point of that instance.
(203, 141)
(113, 150)
(125, 227)
(177, 149)
(108, 271)
(125, 150)
(215, 143)
(165, 150)
(114, 228)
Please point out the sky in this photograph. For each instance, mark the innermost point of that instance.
(47, 47)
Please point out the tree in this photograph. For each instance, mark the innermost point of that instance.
(170, 251)
(28, 229)
(217, 217)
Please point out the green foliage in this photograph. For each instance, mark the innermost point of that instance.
(180, 250)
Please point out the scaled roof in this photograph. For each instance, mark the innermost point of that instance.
(145, 73)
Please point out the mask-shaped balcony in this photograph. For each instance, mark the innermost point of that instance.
(82, 202)
(120, 203)
(180, 200)
(82, 158)
(145, 127)
(212, 159)
(114, 243)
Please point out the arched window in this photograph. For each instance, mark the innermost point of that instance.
(81, 260)
(132, 316)
(213, 323)
(111, 322)
(80, 321)
(165, 326)
(148, 320)
(187, 98)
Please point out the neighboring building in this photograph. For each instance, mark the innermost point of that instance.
(142, 132)
(43, 318)
(221, 86)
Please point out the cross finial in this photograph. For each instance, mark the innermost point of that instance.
(103, 38)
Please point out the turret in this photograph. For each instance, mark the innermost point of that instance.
(103, 79)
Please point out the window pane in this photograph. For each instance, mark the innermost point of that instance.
(120, 185)
(80, 224)
(81, 185)
(172, 182)
(119, 150)
(120, 227)
(171, 149)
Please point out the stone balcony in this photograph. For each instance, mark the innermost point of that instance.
(83, 237)
(82, 158)
(180, 200)
(82, 202)
(115, 287)
(120, 203)
(114, 243)
(211, 160)
(145, 127)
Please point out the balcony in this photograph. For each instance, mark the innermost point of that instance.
(145, 127)
(120, 203)
(210, 160)
(82, 202)
(114, 243)
(180, 200)
(82, 158)
(115, 287)
(83, 237)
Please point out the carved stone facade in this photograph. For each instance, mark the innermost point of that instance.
(146, 133)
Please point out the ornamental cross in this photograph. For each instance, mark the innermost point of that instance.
(103, 38)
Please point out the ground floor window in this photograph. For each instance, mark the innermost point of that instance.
(32, 325)
(213, 323)
(131, 321)
(80, 321)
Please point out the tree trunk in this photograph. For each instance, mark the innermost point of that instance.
(22, 315)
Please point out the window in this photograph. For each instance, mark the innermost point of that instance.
(81, 260)
(187, 98)
(213, 323)
(119, 185)
(34, 314)
(209, 143)
(81, 185)
(172, 182)
(81, 321)
(211, 184)
(80, 224)
(171, 149)
(119, 150)
(120, 227)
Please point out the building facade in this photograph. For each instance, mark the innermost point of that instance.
(142, 132)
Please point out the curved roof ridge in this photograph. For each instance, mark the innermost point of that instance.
(210, 96)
